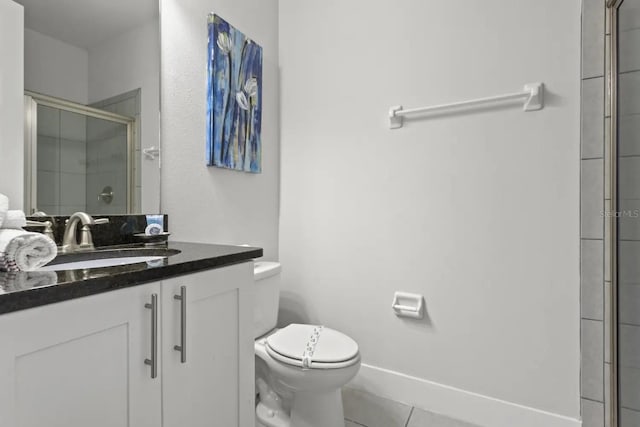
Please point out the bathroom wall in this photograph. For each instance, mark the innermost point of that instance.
(479, 212)
(595, 230)
(55, 68)
(125, 63)
(208, 204)
(12, 102)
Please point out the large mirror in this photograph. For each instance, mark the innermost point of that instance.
(92, 83)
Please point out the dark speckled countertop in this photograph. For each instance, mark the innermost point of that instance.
(19, 291)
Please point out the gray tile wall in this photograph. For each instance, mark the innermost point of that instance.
(595, 281)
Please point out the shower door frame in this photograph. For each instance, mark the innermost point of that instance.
(32, 100)
(611, 96)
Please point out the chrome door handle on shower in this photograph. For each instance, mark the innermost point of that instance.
(153, 362)
(182, 348)
(107, 195)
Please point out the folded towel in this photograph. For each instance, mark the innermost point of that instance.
(4, 207)
(25, 251)
(15, 220)
(21, 280)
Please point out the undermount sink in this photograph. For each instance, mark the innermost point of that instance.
(109, 258)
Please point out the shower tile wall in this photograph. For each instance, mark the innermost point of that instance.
(595, 200)
(61, 161)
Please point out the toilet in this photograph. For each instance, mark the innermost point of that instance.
(300, 369)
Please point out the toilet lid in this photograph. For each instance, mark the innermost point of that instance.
(312, 346)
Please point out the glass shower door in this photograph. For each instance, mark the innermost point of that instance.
(81, 158)
(626, 109)
(107, 159)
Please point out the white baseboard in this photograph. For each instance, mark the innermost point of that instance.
(452, 402)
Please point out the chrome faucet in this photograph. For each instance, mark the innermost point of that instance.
(69, 242)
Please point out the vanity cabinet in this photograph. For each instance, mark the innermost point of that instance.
(81, 362)
(212, 383)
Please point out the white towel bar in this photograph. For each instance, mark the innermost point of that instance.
(532, 95)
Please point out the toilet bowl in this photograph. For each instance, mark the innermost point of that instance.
(300, 369)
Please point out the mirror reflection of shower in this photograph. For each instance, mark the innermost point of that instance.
(82, 158)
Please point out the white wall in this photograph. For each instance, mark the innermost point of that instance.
(479, 212)
(12, 102)
(125, 63)
(55, 68)
(207, 204)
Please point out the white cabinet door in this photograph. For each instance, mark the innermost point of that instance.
(80, 363)
(214, 387)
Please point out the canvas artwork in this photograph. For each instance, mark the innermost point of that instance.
(234, 98)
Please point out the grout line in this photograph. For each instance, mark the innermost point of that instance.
(592, 319)
(637, 325)
(629, 71)
(409, 417)
(354, 422)
(593, 77)
(591, 400)
(592, 239)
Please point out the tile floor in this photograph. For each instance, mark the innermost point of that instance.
(363, 409)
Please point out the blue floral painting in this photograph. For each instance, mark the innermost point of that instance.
(234, 98)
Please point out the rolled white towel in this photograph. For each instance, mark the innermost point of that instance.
(14, 220)
(25, 251)
(22, 280)
(4, 207)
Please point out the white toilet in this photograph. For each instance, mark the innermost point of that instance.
(300, 369)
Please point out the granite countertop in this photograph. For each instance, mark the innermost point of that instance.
(23, 290)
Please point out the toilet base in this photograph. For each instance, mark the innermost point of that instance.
(317, 409)
(266, 417)
(307, 410)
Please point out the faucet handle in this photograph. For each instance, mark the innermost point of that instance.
(47, 225)
(100, 221)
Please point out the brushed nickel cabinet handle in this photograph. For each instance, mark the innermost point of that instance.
(182, 348)
(153, 362)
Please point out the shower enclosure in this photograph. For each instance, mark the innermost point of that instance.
(624, 102)
(79, 158)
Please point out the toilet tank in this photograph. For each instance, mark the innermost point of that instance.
(266, 276)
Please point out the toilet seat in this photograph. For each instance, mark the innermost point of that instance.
(312, 347)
